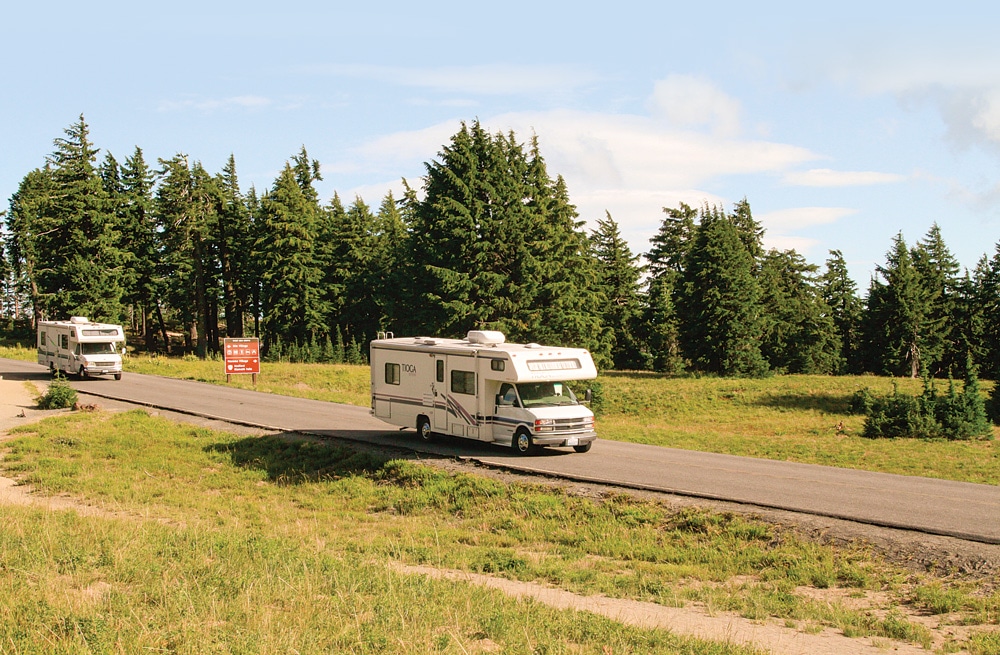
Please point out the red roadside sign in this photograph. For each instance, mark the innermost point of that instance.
(242, 356)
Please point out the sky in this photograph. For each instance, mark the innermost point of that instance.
(843, 124)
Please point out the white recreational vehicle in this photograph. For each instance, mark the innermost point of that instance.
(80, 347)
(483, 388)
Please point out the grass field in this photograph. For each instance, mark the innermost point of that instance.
(791, 418)
(198, 541)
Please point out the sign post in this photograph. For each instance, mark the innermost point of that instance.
(242, 357)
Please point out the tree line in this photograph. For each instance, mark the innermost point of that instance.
(490, 239)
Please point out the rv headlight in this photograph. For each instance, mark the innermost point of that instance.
(544, 425)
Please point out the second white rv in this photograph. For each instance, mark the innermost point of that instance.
(483, 388)
(81, 347)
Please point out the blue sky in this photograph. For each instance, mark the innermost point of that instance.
(842, 125)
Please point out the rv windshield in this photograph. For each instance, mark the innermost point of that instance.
(546, 394)
(104, 348)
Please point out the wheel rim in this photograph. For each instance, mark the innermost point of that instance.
(425, 431)
(523, 442)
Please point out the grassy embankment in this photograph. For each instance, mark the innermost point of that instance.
(791, 418)
(199, 541)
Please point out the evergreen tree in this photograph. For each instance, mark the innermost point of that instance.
(896, 315)
(564, 309)
(799, 332)
(293, 309)
(386, 272)
(718, 301)
(142, 243)
(840, 293)
(666, 259)
(937, 270)
(618, 281)
(494, 237)
(31, 224)
(235, 243)
(64, 236)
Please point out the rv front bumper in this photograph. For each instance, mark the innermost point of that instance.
(102, 369)
(579, 439)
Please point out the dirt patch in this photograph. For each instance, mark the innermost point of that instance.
(690, 621)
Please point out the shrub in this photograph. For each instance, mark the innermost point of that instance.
(59, 395)
(931, 415)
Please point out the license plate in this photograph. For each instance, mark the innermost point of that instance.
(572, 441)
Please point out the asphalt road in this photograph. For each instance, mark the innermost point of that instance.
(956, 509)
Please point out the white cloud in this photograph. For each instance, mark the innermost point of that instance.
(825, 177)
(687, 101)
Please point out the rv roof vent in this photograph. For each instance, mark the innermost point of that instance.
(79, 319)
(427, 341)
(532, 345)
(485, 337)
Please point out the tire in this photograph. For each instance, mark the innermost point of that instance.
(52, 369)
(83, 373)
(424, 429)
(522, 443)
(583, 448)
(118, 376)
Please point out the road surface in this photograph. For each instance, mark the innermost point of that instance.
(941, 507)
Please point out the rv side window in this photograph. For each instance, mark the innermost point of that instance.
(41, 339)
(391, 373)
(440, 370)
(463, 382)
(496, 364)
(64, 341)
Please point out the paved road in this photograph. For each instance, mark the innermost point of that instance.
(957, 509)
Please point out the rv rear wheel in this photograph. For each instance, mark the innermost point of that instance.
(522, 443)
(424, 429)
(83, 373)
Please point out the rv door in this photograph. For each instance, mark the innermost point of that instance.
(440, 394)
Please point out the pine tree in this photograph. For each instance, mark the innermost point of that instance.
(937, 270)
(618, 275)
(235, 242)
(293, 309)
(139, 234)
(564, 309)
(718, 301)
(666, 257)
(840, 294)
(799, 332)
(64, 234)
(896, 315)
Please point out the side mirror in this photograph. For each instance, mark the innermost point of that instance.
(588, 396)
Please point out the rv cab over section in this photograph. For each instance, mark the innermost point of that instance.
(484, 388)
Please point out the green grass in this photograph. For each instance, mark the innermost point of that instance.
(206, 541)
(794, 418)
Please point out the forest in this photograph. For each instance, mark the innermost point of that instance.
(490, 239)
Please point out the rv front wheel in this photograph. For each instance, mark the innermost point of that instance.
(522, 443)
(424, 429)
(583, 449)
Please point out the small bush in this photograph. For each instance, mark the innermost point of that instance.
(931, 415)
(59, 395)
